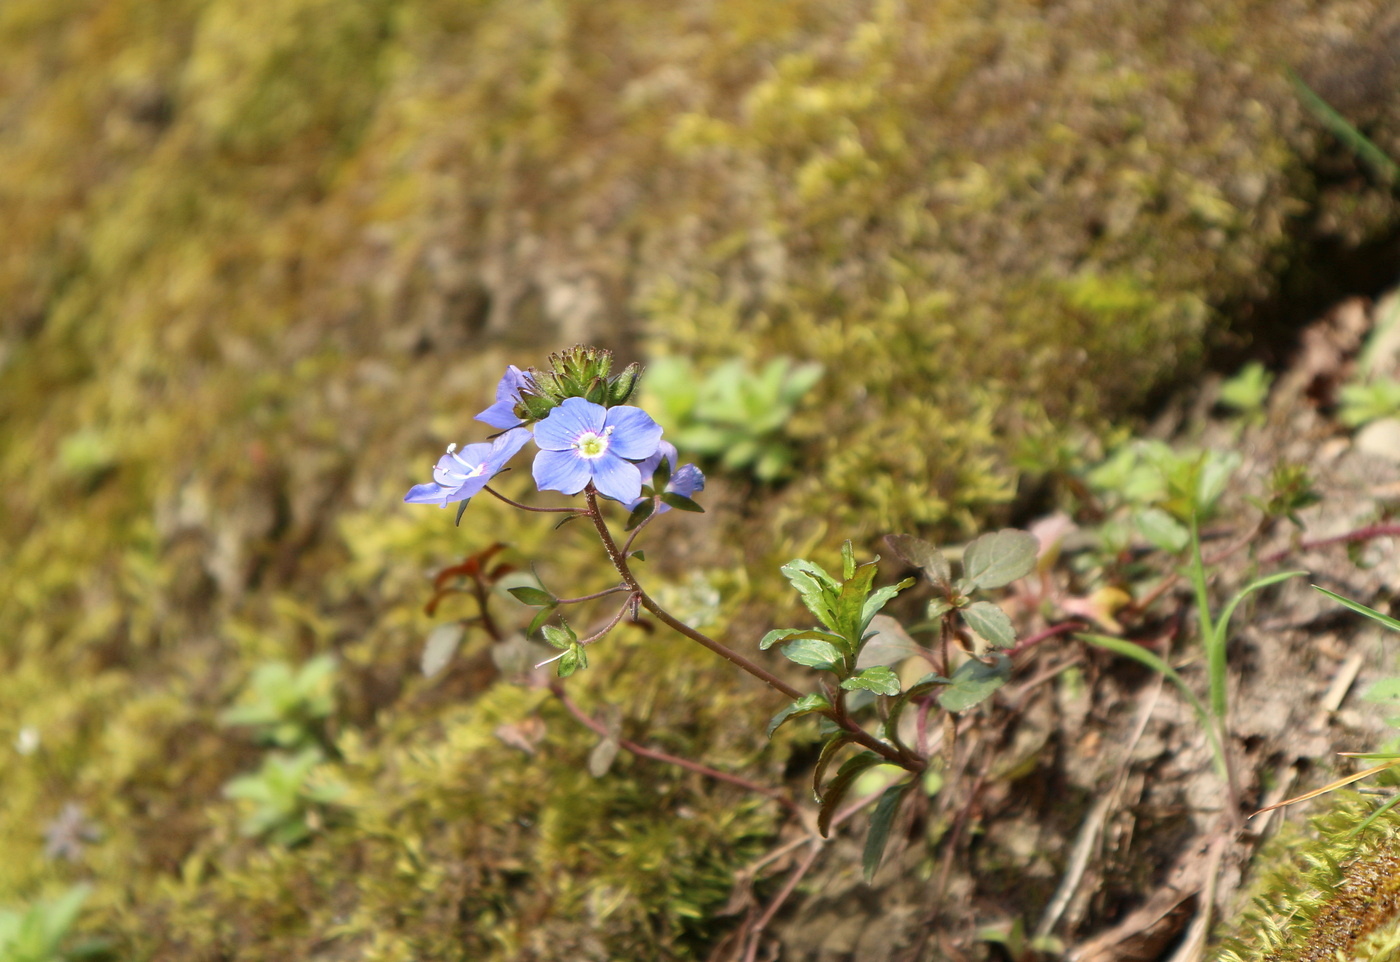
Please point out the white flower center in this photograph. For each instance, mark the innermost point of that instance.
(591, 446)
(472, 471)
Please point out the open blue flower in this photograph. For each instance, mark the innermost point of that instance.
(461, 474)
(685, 481)
(581, 442)
(502, 413)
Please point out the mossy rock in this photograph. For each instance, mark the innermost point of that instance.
(261, 260)
(1332, 893)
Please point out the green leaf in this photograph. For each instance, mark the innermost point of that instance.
(816, 587)
(878, 600)
(814, 653)
(559, 637)
(849, 607)
(534, 597)
(848, 560)
(920, 688)
(1216, 642)
(789, 634)
(1139, 654)
(924, 556)
(1000, 558)
(974, 682)
(990, 623)
(880, 680)
(841, 784)
(1162, 530)
(1359, 608)
(828, 752)
(540, 618)
(803, 706)
(680, 502)
(574, 659)
(880, 823)
(641, 512)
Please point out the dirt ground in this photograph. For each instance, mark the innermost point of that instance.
(1081, 815)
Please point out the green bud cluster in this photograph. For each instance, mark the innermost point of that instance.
(577, 372)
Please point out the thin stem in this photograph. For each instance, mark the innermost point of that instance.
(609, 626)
(526, 507)
(627, 548)
(619, 561)
(642, 751)
(593, 597)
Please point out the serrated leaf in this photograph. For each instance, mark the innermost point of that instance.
(788, 634)
(814, 653)
(990, 623)
(920, 688)
(974, 682)
(887, 644)
(880, 823)
(848, 560)
(922, 555)
(997, 559)
(880, 680)
(878, 599)
(803, 706)
(534, 597)
(841, 784)
(815, 586)
(1162, 530)
(680, 502)
(849, 607)
(828, 752)
(441, 646)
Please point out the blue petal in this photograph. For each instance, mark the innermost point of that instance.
(502, 413)
(617, 479)
(635, 435)
(687, 481)
(574, 417)
(560, 471)
(429, 493)
(506, 446)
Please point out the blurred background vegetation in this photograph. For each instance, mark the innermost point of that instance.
(261, 260)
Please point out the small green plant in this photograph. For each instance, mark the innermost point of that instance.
(1213, 713)
(735, 414)
(1362, 403)
(286, 796)
(36, 934)
(1155, 490)
(1246, 392)
(284, 704)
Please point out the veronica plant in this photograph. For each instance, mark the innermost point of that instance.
(592, 443)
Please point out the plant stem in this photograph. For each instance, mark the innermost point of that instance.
(619, 561)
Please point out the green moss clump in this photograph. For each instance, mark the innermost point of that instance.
(1335, 895)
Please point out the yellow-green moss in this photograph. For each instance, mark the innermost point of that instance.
(261, 260)
(1333, 894)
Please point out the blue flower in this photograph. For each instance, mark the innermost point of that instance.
(581, 442)
(502, 413)
(461, 474)
(684, 482)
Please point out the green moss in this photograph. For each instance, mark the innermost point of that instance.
(1331, 894)
(261, 261)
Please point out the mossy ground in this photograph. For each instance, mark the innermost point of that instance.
(261, 261)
